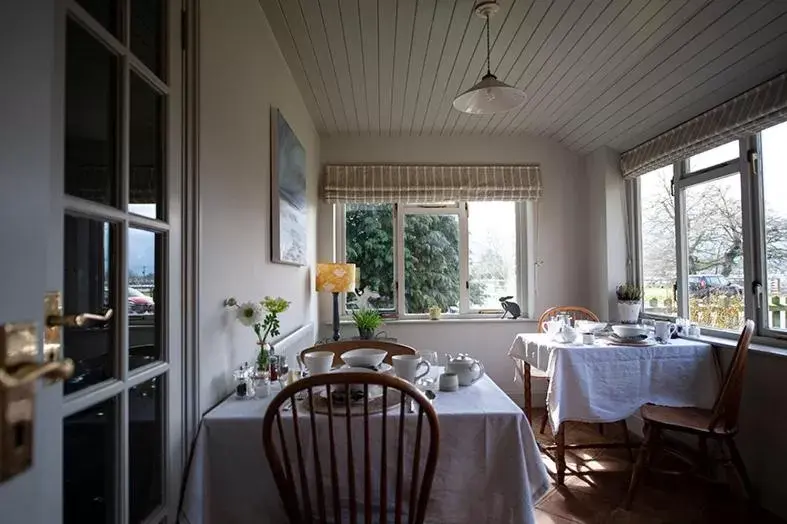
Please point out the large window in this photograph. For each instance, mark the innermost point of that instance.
(461, 257)
(713, 236)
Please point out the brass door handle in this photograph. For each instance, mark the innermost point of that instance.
(27, 373)
(77, 320)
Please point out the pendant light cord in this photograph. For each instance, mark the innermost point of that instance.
(488, 52)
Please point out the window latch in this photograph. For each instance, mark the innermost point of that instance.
(754, 162)
(756, 289)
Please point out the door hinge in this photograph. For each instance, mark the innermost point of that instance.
(467, 284)
(184, 27)
(754, 162)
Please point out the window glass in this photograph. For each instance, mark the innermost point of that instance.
(774, 169)
(714, 258)
(492, 250)
(146, 149)
(431, 262)
(712, 157)
(659, 268)
(145, 327)
(370, 246)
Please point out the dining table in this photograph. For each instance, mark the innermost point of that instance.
(607, 381)
(489, 468)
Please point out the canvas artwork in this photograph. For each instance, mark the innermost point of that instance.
(288, 194)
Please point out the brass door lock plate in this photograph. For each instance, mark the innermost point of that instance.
(53, 308)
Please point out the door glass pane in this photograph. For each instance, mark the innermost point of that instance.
(88, 286)
(715, 156)
(431, 262)
(148, 32)
(369, 233)
(106, 13)
(492, 230)
(144, 287)
(91, 118)
(145, 440)
(659, 268)
(146, 150)
(774, 171)
(90, 473)
(715, 253)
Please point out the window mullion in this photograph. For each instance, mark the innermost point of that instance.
(399, 257)
(753, 248)
(681, 245)
(464, 260)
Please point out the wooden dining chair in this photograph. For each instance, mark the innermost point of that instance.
(719, 423)
(342, 346)
(578, 313)
(309, 483)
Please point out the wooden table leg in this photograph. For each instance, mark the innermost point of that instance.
(560, 440)
(528, 391)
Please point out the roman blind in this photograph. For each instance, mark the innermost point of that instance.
(748, 113)
(422, 184)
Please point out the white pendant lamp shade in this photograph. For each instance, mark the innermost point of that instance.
(490, 96)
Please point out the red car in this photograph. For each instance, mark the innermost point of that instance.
(139, 302)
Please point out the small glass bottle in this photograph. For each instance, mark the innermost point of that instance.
(244, 387)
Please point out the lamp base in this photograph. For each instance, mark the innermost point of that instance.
(336, 335)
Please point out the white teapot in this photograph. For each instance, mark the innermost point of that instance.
(466, 368)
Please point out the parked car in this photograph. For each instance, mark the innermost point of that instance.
(139, 303)
(705, 285)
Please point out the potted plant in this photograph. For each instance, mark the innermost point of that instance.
(629, 302)
(367, 320)
(434, 310)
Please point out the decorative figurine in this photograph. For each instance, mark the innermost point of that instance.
(364, 296)
(510, 307)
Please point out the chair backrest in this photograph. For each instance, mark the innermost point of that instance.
(302, 471)
(341, 346)
(728, 402)
(578, 312)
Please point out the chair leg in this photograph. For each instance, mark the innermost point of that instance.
(601, 428)
(651, 433)
(560, 454)
(527, 380)
(544, 420)
(704, 458)
(740, 467)
(627, 440)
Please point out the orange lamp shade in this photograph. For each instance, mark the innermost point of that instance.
(335, 278)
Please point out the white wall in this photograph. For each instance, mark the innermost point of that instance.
(242, 74)
(560, 279)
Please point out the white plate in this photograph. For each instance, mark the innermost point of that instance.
(384, 368)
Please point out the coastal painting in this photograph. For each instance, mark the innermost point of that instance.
(288, 194)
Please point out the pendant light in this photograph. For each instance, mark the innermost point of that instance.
(490, 95)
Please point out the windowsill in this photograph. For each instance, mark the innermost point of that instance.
(730, 343)
(443, 320)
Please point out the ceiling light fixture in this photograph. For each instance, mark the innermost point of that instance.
(490, 95)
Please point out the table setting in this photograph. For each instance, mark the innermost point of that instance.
(487, 449)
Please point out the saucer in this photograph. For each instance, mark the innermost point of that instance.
(383, 368)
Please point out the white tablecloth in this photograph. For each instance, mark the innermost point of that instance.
(606, 383)
(489, 469)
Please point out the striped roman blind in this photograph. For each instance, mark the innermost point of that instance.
(423, 184)
(748, 113)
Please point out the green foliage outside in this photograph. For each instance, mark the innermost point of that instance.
(431, 257)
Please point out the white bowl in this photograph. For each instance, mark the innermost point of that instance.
(589, 326)
(364, 357)
(629, 330)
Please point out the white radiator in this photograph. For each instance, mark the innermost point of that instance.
(293, 343)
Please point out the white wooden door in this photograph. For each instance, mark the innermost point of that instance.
(90, 120)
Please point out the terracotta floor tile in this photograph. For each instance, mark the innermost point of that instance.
(542, 517)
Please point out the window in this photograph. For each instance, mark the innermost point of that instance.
(657, 233)
(774, 174)
(461, 257)
(730, 217)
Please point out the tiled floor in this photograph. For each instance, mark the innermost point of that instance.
(596, 497)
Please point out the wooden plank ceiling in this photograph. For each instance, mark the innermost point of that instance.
(596, 72)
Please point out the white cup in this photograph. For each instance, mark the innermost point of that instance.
(588, 339)
(406, 367)
(318, 362)
(449, 382)
(664, 330)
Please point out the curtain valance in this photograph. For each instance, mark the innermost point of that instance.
(422, 184)
(748, 113)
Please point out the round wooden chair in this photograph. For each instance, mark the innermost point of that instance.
(341, 346)
(578, 313)
(327, 464)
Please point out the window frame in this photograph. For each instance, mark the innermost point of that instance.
(750, 171)
(524, 247)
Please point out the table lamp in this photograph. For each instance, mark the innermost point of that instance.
(335, 278)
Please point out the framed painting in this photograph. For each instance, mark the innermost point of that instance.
(288, 194)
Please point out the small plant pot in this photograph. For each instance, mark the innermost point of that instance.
(365, 333)
(628, 311)
(434, 313)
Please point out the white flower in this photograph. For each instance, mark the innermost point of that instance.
(250, 313)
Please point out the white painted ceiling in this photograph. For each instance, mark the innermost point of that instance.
(596, 72)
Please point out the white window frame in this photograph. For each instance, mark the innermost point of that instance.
(754, 259)
(524, 248)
